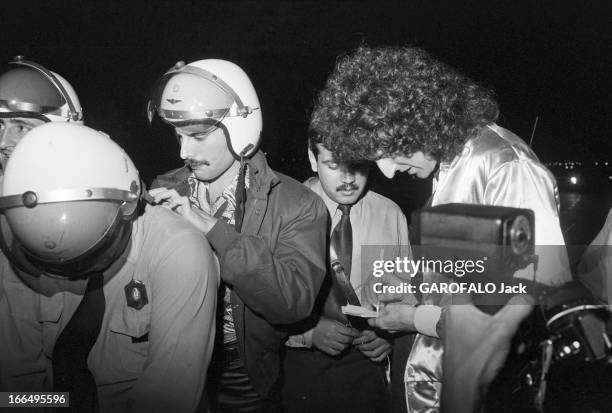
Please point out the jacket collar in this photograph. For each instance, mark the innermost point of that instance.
(263, 178)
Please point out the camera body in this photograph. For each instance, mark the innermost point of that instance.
(577, 324)
(570, 326)
(503, 236)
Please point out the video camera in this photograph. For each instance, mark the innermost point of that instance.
(570, 325)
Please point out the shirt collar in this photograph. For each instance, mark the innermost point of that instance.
(199, 190)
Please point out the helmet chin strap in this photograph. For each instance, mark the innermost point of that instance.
(228, 140)
(241, 189)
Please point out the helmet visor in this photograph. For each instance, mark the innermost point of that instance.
(63, 239)
(32, 89)
(191, 101)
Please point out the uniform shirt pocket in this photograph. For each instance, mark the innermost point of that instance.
(129, 331)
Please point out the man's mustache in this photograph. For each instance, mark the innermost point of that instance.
(194, 164)
(347, 187)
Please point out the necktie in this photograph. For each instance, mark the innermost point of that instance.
(342, 244)
(342, 239)
(70, 373)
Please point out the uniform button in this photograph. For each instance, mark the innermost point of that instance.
(257, 211)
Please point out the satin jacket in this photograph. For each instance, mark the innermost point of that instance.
(495, 168)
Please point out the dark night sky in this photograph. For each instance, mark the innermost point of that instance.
(546, 58)
(551, 59)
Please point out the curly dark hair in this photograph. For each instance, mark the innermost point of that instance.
(387, 101)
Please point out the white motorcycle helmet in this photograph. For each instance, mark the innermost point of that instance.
(30, 90)
(206, 94)
(70, 196)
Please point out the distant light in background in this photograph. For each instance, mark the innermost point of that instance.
(573, 180)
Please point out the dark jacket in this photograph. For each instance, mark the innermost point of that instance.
(275, 265)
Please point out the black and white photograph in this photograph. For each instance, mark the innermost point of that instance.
(295, 206)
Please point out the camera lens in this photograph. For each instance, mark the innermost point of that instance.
(520, 235)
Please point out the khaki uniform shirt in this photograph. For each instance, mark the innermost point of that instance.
(152, 359)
